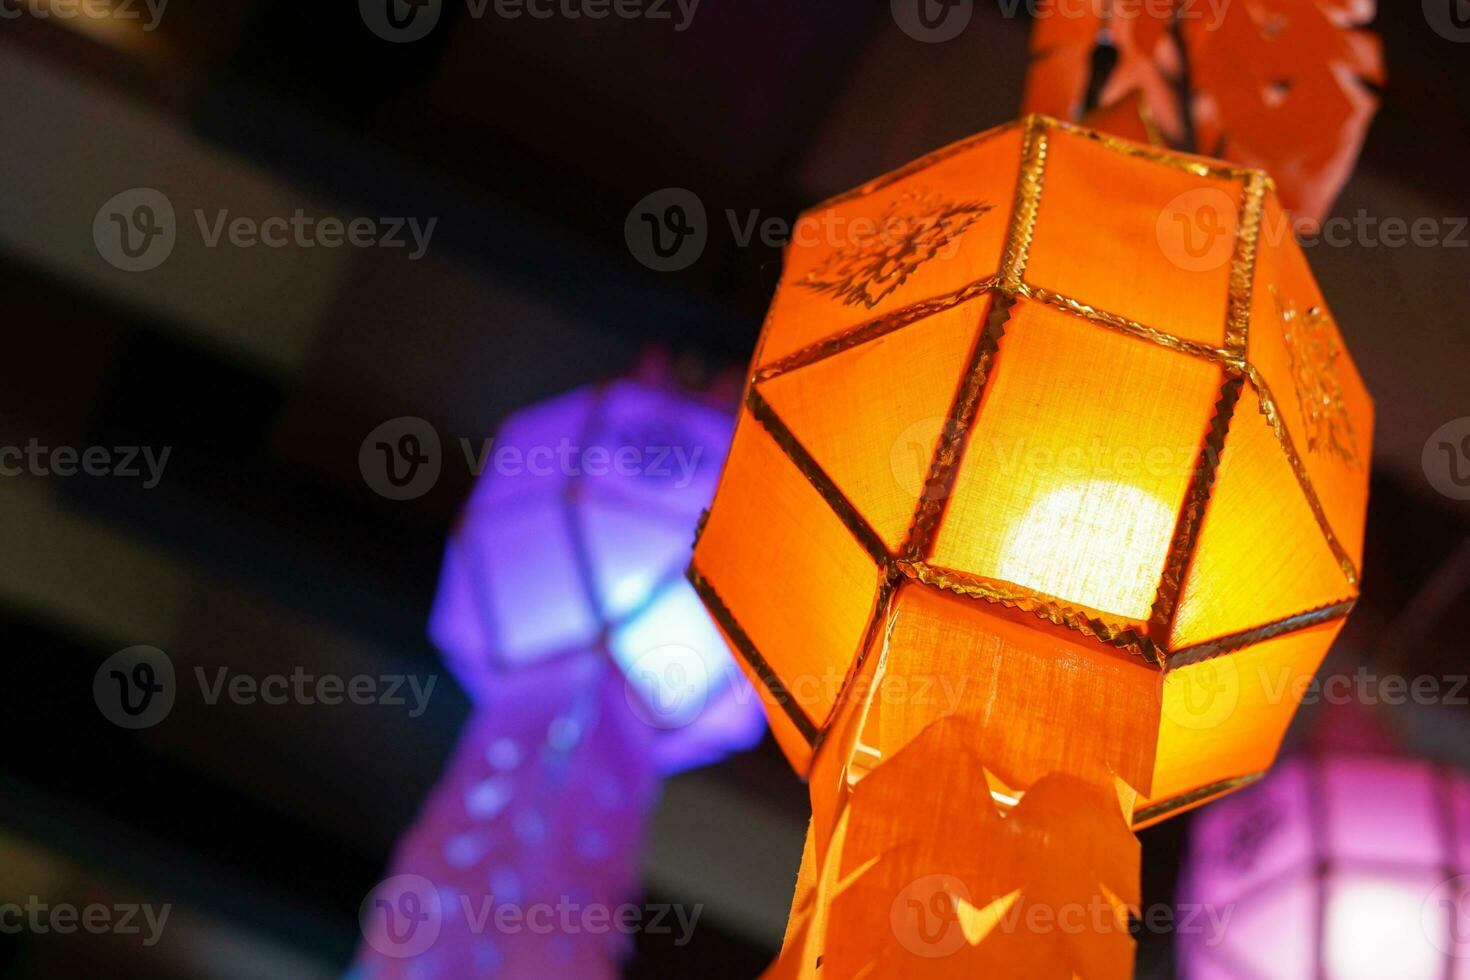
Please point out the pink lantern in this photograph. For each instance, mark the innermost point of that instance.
(1341, 867)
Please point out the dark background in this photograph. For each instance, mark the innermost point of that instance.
(264, 549)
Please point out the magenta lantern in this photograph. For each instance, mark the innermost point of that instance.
(1339, 867)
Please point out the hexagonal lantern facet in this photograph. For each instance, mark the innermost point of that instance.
(1049, 379)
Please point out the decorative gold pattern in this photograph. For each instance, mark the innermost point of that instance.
(1311, 347)
(1199, 166)
(1028, 203)
(1130, 327)
(1124, 636)
(917, 227)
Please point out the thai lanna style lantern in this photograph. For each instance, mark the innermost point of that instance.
(1049, 480)
(1343, 867)
(563, 612)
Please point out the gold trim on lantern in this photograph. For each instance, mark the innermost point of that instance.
(873, 329)
(1236, 641)
(1191, 515)
(944, 466)
(1158, 811)
(1298, 467)
(745, 646)
(1028, 203)
(1199, 166)
(1243, 264)
(787, 442)
(1132, 328)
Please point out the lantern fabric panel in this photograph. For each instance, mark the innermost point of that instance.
(1078, 463)
(892, 391)
(1340, 866)
(1248, 573)
(1223, 719)
(1323, 407)
(859, 258)
(1098, 238)
(827, 582)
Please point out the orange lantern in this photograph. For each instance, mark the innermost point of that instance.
(1046, 498)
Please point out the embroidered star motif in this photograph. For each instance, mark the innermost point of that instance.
(914, 229)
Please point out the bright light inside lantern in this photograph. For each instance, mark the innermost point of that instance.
(1067, 543)
(1374, 929)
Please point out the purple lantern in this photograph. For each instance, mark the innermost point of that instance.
(576, 538)
(564, 613)
(1343, 867)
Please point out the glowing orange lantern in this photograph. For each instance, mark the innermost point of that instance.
(1049, 434)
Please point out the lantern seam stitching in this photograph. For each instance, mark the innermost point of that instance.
(1298, 467)
(1243, 266)
(1121, 635)
(751, 654)
(878, 619)
(874, 329)
(1230, 643)
(1130, 328)
(1027, 206)
(1155, 810)
(792, 448)
(1192, 511)
(949, 449)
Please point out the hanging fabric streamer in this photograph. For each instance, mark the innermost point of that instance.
(562, 610)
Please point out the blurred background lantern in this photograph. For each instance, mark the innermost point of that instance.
(563, 612)
(1341, 866)
(1012, 425)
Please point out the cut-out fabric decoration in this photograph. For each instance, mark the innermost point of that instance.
(563, 611)
(1057, 488)
(1343, 866)
(1277, 84)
